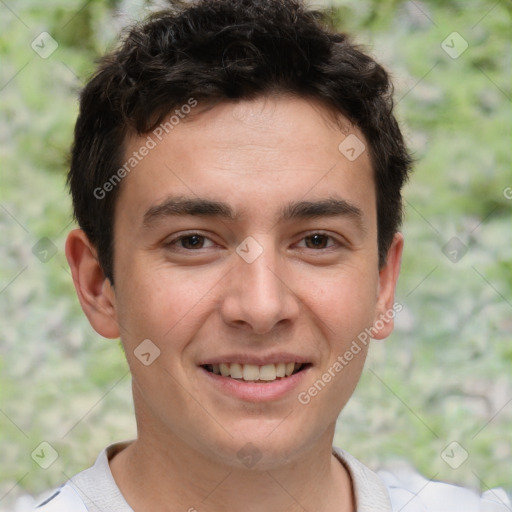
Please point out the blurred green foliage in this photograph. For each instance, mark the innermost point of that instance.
(444, 374)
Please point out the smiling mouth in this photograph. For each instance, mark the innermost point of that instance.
(254, 373)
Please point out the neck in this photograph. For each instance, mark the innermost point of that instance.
(165, 474)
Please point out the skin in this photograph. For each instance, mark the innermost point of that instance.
(197, 303)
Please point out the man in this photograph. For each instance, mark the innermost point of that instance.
(236, 177)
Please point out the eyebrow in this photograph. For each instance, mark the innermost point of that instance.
(331, 207)
(202, 207)
(173, 206)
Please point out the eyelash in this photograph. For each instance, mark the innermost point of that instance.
(175, 241)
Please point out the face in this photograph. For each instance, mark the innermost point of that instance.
(245, 247)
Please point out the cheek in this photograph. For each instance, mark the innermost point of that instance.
(344, 301)
(159, 302)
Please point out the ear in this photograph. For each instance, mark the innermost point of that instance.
(388, 277)
(95, 293)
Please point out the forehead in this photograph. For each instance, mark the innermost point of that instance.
(265, 151)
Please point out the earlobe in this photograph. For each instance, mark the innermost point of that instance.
(388, 277)
(95, 293)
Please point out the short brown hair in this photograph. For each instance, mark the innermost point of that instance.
(228, 50)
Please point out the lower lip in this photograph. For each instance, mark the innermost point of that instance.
(256, 392)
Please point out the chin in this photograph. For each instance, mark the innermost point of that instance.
(261, 446)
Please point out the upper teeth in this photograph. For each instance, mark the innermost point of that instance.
(254, 372)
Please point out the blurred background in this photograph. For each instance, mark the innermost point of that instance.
(436, 395)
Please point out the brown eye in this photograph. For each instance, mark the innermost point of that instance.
(189, 242)
(316, 241)
(192, 242)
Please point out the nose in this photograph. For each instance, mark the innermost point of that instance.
(259, 295)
